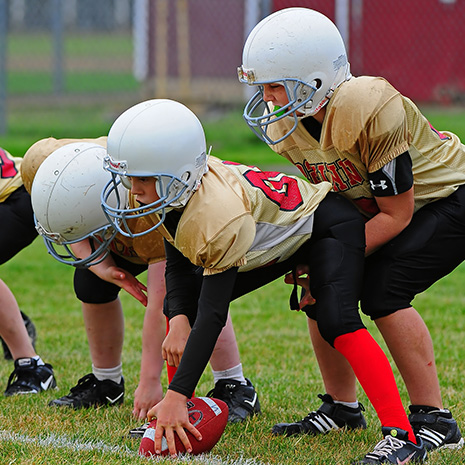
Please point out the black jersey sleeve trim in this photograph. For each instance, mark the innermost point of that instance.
(396, 177)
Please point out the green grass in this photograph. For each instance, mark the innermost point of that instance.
(276, 355)
(275, 348)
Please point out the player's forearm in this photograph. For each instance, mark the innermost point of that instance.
(380, 230)
(153, 333)
(211, 318)
(395, 214)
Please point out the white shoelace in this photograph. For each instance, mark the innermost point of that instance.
(385, 447)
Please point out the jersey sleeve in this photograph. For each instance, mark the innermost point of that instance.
(368, 117)
(386, 135)
(227, 249)
(217, 227)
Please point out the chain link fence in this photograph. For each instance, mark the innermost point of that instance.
(123, 51)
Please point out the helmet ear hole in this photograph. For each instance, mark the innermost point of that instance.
(317, 83)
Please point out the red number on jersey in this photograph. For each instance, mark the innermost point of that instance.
(279, 188)
(7, 166)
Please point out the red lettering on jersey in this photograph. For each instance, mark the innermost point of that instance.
(342, 174)
(7, 166)
(440, 134)
(369, 207)
(336, 179)
(279, 188)
(310, 172)
(353, 176)
(322, 172)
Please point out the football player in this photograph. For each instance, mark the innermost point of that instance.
(376, 149)
(230, 229)
(66, 178)
(30, 375)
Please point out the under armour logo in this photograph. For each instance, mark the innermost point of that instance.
(381, 185)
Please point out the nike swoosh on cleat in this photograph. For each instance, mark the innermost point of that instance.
(253, 401)
(112, 401)
(403, 462)
(47, 383)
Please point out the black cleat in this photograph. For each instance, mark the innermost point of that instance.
(242, 400)
(90, 392)
(395, 448)
(30, 378)
(31, 331)
(330, 416)
(437, 428)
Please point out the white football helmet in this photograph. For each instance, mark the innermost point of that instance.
(65, 197)
(157, 138)
(300, 49)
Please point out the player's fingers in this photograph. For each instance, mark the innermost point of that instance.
(177, 359)
(289, 279)
(194, 431)
(142, 413)
(159, 431)
(169, 436)
(170, 360)
(142, 298)
(142, 286)
(307, 299)
(184, 439)
(151, 415)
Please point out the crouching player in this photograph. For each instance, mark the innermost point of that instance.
(230, 229)
(66, 178)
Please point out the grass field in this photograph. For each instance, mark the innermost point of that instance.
(275, 348)
(276, 355)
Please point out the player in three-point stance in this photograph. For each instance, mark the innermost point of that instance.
(230, 229)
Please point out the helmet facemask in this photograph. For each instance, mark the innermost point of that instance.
(173, 192)
(59, 248)
(300, 49)
(258, 113)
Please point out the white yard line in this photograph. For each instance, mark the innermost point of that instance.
(63, 442)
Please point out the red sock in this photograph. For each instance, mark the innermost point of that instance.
(169, 369)
(373, 371)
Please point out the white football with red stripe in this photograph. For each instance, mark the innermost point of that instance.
(208, 415)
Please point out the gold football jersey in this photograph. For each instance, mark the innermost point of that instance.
(241, 216)
(148, 248)
(10, 174)
(367, 124)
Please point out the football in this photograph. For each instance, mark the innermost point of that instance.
(208, 415)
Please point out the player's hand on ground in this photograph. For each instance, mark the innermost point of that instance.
(303, 280)
(172, 418)
(175, 341)
(147, 394)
